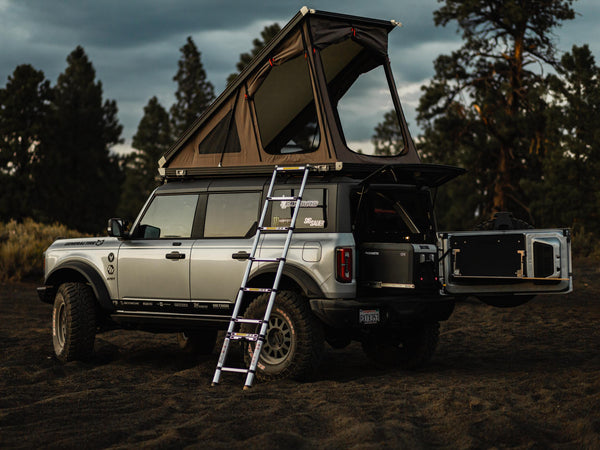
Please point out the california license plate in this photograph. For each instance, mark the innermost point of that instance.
(368, 316)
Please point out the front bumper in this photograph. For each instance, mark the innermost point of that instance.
(393, 311)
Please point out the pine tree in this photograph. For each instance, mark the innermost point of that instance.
(268, 33)
(485, 107)
(387, 138)
(81, 178)
(567, 194)
(151, 141)
(194, 93)
(24, 107)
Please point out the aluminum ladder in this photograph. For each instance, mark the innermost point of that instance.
(236, 319)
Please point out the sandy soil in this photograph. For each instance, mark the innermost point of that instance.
(519, 378)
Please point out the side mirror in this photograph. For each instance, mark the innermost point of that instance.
(116, 228)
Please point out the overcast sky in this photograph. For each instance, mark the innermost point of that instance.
(134, 44)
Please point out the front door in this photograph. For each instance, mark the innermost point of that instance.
(154, 265)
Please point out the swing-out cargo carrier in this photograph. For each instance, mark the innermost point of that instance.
(340, 243)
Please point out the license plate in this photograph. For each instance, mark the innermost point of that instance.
(368, 316)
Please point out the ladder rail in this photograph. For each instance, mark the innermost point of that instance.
(240, 294)
(231, 334)
(273, 295)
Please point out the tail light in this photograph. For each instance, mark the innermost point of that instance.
(344, 265)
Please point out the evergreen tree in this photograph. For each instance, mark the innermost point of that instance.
(387, 138)
(151, 141)
(568, 194)
(24, 106)
(194, 93)
(268, 33)
(80, 177)
(485, 108)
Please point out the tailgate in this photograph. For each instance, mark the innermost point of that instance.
(503, 262)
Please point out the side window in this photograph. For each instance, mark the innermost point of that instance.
(169, 216)
(232, 215)
(312, 214)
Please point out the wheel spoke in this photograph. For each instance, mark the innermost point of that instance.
(278, 340)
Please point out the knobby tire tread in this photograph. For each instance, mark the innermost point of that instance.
(81, 321)
(310, 336)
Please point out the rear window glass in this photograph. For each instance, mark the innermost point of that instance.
(232, 215)
(393, 215)
(312, 214)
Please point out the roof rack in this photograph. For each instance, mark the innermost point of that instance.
(431, 175)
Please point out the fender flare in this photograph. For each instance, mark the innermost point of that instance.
(91, 275)
(308, 285)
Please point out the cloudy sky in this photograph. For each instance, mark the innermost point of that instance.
(134, 44)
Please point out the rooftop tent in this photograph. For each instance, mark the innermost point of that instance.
(286, 107)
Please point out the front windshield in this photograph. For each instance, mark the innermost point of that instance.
(359, 89)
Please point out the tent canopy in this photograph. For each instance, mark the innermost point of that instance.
(283, 108)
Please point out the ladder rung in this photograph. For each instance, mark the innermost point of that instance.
(290, 168)
(267, 259)
(283, 199)
(237, 336)
(234, 369)
(275, 228)
(243, 320)
(251, 289)
(259, 338)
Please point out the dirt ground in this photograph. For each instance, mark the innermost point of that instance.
(527, 377)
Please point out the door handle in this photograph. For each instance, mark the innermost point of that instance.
(241, 255)
(175, 255)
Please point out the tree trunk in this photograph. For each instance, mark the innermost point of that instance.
(499, 200)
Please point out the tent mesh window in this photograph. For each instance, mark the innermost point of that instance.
(360, 92)
(222, 139)
(285, 110)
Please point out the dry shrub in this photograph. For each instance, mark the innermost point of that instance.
(22, 246)
(585, 244)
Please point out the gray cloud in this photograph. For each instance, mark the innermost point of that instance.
(134, 44)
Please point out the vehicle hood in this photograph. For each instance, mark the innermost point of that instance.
(88, 243)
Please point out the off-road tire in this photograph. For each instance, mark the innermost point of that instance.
(294, 342)
(404, 350)
(74, 322)
(197, 342)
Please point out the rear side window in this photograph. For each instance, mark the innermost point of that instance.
(232, 215)
(169, 216)
(312, 214)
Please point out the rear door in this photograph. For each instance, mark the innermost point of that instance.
(229, 228)
(505, 262)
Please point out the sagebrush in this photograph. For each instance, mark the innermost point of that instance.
(22, 245)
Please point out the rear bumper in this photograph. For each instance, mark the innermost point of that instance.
(393, 311)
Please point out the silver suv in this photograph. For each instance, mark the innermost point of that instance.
(366, 263)
(179, 270)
